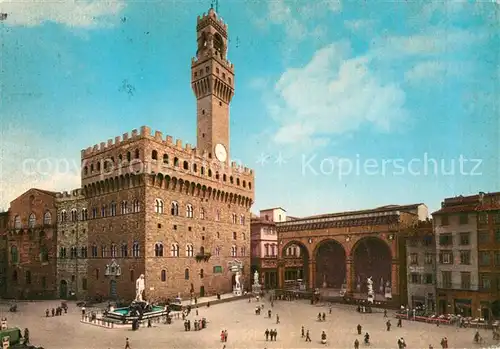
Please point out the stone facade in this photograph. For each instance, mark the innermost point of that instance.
(339, 251)
(265, 245)
(175, 213)
(455, 226)
(421, 266)
(72, 244)
(4, 255)
(32, 245)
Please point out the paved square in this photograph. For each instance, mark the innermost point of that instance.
(246, 330)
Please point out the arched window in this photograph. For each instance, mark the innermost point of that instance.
(124, 249)
(195, 168)
(244, 184)
(154, 155)
(266, 249)
(17, 222)
(137, 153)
(158, 249)
(224, 177)
(231, 180)
(112, 208)
(32, 221)
(114, 251)
(185, 165)
(234, 251)
(189, 250)
(158, 206)
(135, 249)
(242, 251)
(176, 162)
(209, 173)
(62, 252)
(242, 219)
(202, 170)
(14, 255)
(64, 216)
(74, 215)
(233, 218)
(174, 251)
(237, 181)
(93, 251)
(217, 251)
(99, 166)
(235, 236)
(249, 185)
(165, 159)
(73, 252)
(202, 250)
(174, 208)
(129, 156)
(186, 274)
(47, 218)
(85, 170)
(201, 274)
(136, 206)
(202, 213)
(103, 211)
(163, 275)
(124, 207)
(85, 214)
(104, 251)
(83, 252)
(189, 211)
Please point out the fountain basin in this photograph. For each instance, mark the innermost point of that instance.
(128, 315)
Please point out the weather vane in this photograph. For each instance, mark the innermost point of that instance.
(216, 3)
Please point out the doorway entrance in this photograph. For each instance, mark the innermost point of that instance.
(202, 291)
(63, 289)
(112, 289)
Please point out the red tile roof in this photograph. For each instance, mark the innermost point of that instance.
(456, 209)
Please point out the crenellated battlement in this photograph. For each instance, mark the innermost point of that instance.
(213, 53)
(73, 194)
(211, 17)
(186, 150)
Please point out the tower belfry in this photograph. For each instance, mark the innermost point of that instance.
(212, 81)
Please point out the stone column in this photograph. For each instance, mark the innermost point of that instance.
(395, 278)
(281, 275)
(311, 274)
(349, 271)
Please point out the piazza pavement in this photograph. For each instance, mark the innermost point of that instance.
(245, 329)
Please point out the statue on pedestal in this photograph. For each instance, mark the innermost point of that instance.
(139, 288)
(371, 294)
(256, 278)
(237, 280)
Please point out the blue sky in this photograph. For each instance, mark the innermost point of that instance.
(320, 87)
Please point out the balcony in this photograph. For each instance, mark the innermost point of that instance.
(205, 257)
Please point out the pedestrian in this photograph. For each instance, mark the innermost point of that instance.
(330, 309)
(308, 337)
(275, 334)
(277, 319)
(324, 316)
(225, 335)
(266, 333)
(388, 324)
(356, 344)
(400, 323)
(302, 332)
(127, 344)
(359, 328)
(385, 312)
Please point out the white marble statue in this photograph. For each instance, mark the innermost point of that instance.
(256, 278)
(139, 288)
(237, 280)
(369, 282)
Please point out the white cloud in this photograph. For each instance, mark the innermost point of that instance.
(293, 17)
(72, 13)
(434, 71)
(334, 93)
(29, 160)
(359, 25)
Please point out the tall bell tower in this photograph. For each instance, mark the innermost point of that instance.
(212, 81)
